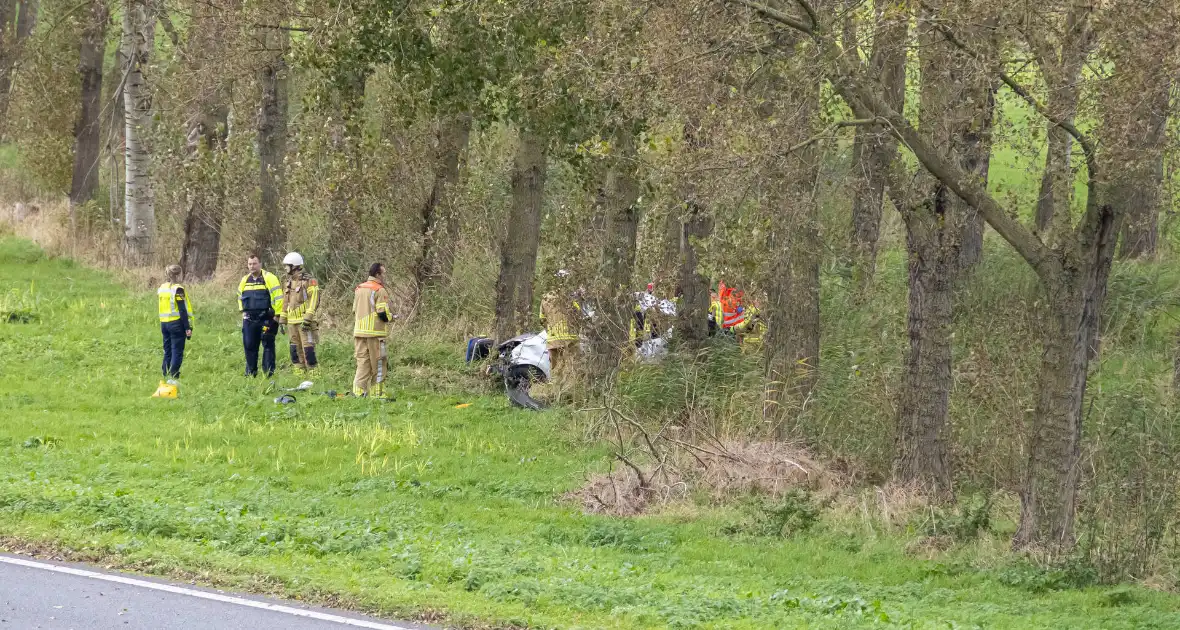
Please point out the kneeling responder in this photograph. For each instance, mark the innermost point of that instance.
(370, 329)
(260, 299)
(176, 322)
(301, 298)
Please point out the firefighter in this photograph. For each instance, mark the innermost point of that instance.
(176, 322)
(301, 298)
(370, 308)
(557, 318)
(260, 300)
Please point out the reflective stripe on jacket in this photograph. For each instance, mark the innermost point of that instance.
(556, 319)
(256, 295)
(370, 301)
(170, 305)
(301, 298)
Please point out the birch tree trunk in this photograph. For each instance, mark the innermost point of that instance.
(139, 28)
(87, 129)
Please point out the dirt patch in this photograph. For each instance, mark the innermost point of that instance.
(722, 471)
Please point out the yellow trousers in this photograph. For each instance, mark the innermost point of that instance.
(371, 366)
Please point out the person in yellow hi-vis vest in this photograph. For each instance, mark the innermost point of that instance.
(301, 298)
(370, 330)
(557, 319)
(176, 322)
(260, 300)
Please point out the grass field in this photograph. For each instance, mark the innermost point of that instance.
(416, 508)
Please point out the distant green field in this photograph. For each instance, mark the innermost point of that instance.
(416, 505)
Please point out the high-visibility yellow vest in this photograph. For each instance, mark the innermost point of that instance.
(259, 294)
(169, 309)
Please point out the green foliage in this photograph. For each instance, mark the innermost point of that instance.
(793, 514)
(967, 519)
(415, 505)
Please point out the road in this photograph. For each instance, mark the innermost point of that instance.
(62, 596)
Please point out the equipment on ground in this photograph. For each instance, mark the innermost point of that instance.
(304, 386)
(166, 390)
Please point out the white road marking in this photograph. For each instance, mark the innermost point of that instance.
(179, 590)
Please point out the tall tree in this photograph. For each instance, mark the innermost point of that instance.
(17, 19)
(1073, 271)
(955, 117)
(440, 217)
(873, 150)
(208, 129)
(1138, 181)
(87, 130)
(795, 251)
(521, 237)
(139, 36)
(616, 201)
(270, 234)
(692, 228)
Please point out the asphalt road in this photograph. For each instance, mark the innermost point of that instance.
(61, 596)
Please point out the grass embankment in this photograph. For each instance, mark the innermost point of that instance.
(414, 506)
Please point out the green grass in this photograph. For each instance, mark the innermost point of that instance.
(415, 505)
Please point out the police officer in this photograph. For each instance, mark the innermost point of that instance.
(301, 298)
(260, 299)
(176, 322)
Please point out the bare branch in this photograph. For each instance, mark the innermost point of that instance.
(811, 15)
(776, 15)
(280, 27)
(1067, 126)
(826, 133)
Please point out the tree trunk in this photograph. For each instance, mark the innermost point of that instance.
(1062, 68)
(933, 246)
(345, 135)
(116, 138)
(694, 225)
(207, 135)
(1056, 190)
(271, 234)
(692, 325)
(87, 130)
(139, 28)
(521, 239)
(1138, 185)
(955, 116)
(1049, 492)
(437, 258)
(977, 156)
(791, 351)
(206, 197)
(874, 150)
(12, 42)
(618, 194)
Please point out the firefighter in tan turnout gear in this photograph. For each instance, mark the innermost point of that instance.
(370, 329)
(301, 299)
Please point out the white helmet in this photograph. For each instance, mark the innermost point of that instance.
(293, 259)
